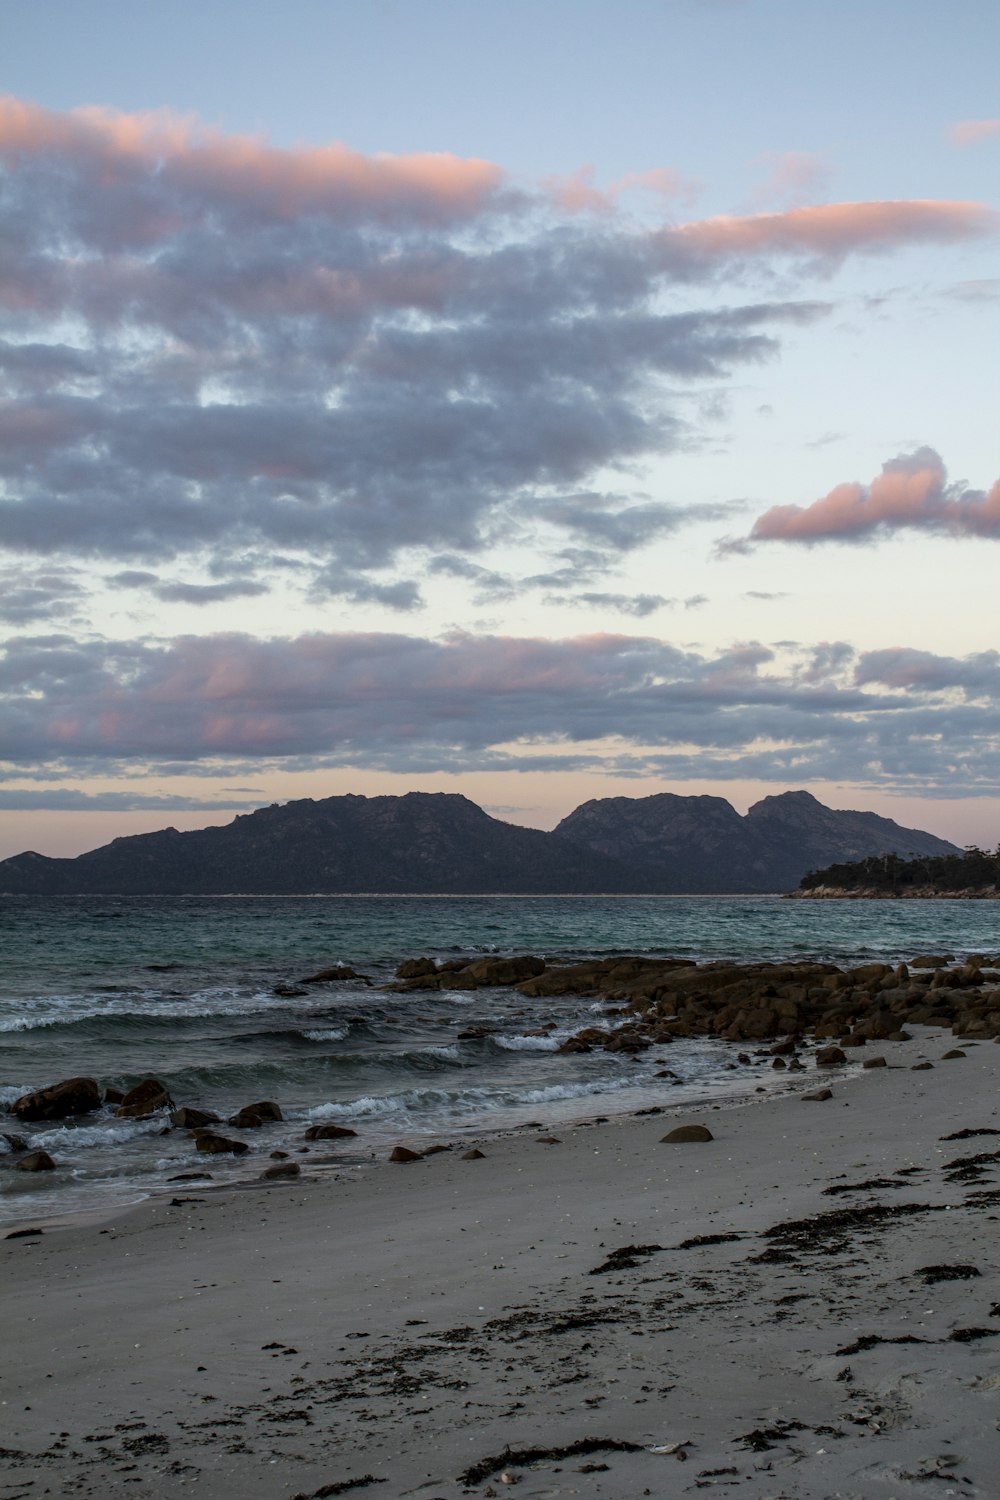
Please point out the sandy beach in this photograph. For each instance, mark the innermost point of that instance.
(587, 1312)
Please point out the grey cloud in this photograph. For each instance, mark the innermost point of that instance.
(402, 702)
(66, 799)
(208, 593)
(330, 368)
(28, 595)
(639, 605)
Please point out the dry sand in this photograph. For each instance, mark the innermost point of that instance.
(393, 1331)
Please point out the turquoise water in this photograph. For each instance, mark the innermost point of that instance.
(183, 988)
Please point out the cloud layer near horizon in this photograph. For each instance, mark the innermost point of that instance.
(250, 358)
(632, 705)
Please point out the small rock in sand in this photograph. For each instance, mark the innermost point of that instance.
(954, 1052)
(874, 1062)
(685, 1133)
(829, 1057)
(818, 1095)
(283, 1169)
(473, 1155)
(921, 1067)
(403, 1153)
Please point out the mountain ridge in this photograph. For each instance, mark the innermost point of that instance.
(441, 843)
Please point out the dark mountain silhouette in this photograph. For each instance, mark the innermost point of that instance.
(442, 843)
(702, 843)
(422, 842)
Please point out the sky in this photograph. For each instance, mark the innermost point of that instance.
(539, 401)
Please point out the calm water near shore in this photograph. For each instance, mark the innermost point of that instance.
(183, 988)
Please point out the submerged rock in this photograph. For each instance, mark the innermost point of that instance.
(36, 1161)
(193, 1119)
(219, 1145)
(329, 1133)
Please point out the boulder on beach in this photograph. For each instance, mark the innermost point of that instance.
(403, 1153)
(329, 1133)
(818, 1096)
(684, 1134)
(147, 1097)
(36, 1161)
(74, 1096)
(283, 1169)
(830, 1057)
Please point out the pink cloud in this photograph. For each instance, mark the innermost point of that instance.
(792, 176)
(971, 132)
(281, 182)
(911, 493)
(578, 194)
(829, 231)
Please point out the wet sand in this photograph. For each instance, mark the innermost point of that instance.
(541, 1320)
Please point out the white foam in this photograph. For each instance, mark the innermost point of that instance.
(521, 1043)
(334, 1034)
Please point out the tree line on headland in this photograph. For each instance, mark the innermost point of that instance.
(974, 872)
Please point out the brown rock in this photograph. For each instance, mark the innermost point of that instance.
(193, 1119)
(113, 1095)
(403, 1153)
(328, 976)
(817, 1096)
(251, 1116)
(473, 1155)
(219, 1145)
(921, 1067)
(436, 1149)
(874, 1062)
(829, 1057)
(15, 1142)
(416, 968)
(74, 1096)
(147, 1097)
(328, 1133)
(953, 1052)
(687, 1133)
(36, 1161)
(283, 1169)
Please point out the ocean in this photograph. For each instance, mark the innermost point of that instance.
(183, 989)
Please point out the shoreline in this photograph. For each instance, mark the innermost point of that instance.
(395, 1331)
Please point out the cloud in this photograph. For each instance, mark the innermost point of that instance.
(791, 176)
(639, 605)
(971, 132)
(405, 703)
(68, 799)
(209, 593)
(219, 351)
(28, 595)
(911, 493)
(827, 232)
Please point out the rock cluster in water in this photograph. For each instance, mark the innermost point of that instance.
(665, 998)
(648, 1002)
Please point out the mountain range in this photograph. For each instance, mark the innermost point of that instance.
(441, 843)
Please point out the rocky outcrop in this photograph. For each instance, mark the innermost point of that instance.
(74, 1096)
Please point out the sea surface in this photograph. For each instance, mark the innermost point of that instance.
(183, 989)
